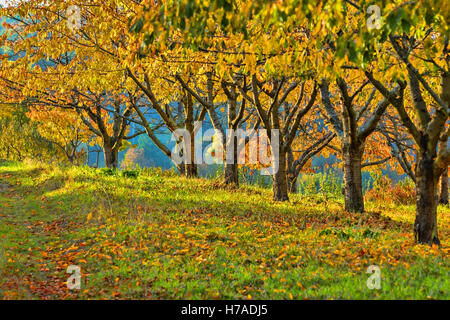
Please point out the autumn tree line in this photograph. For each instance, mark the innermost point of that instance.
(370, 84)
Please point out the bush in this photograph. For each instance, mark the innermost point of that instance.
(385, 190)
(108, 172)
(130, 173)
(131, 158)
(328, 183)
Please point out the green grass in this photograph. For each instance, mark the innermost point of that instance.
(154, 235)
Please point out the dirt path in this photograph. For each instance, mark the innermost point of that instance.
(30, 267)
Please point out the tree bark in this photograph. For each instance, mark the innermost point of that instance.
(291, 172)
(426, 134)
(443, 196)
(181, 169)
(425, 226)
(280, 185)
(189, 146)
(231, 169)
(231, 174)
(353, 194)
(71, 159)
(111, 156)
(191, 170)
(190, 167)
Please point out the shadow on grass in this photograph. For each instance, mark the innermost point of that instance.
(73, 195)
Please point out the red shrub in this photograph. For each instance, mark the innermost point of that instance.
(384, 189)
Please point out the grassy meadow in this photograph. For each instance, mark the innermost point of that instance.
(159, 236)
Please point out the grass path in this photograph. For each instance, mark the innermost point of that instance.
(163, 237)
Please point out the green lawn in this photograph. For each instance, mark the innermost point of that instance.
(159, 236)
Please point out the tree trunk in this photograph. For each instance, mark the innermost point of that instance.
(190, 165)
(291, 174)
(280, 186)
(231, 170)
(191, 170)
(231, 174)
(71, 158)
(425, 226)
(353, 193)
(292, 184)
(181, 169)
(443, 197)
(111, 156)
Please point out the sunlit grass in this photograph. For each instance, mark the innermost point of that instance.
(162, 236)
